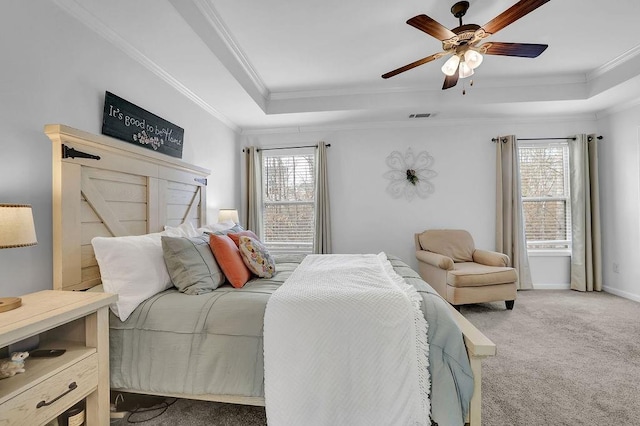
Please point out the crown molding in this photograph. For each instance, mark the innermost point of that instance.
(614, 63)
(486, 82)
(210, 13)
(80, 13)
(430, 122)
(578, 78)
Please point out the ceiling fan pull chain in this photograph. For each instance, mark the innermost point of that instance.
(464, 86)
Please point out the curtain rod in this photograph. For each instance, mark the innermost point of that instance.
(543, 139)
(288, 147)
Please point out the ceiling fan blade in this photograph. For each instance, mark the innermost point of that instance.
(414, 64)
(523, 50)
(451, 80)
(431, 27)
(515, 12)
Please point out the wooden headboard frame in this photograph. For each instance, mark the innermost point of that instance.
(106, 187)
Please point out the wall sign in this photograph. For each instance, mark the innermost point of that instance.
(130, 123)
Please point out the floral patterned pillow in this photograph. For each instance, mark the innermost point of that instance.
(256, 257)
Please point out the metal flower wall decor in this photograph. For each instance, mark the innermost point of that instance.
(410, 174)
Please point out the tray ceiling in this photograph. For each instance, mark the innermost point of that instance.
(283, 64)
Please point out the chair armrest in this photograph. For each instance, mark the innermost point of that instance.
(490, 258)
(435, 259)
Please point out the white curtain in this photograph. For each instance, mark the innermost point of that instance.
(586, 256)
(253, 193)
(510, 236)
(322, 237)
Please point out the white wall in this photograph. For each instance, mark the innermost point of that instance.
(366, 219)
(551, 272)
(55, 70)
(620, 202)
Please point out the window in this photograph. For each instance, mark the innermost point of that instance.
(288, 201)
(544, 179)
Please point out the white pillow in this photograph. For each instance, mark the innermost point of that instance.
(133, 268)
(184, 230)
(216, 227)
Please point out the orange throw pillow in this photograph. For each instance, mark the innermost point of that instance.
(230, 260)
(235, 236)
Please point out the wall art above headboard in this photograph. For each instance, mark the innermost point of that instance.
(130, 123)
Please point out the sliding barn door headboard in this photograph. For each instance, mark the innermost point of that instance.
(106, 187)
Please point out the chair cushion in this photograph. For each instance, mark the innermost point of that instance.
(454, 243)
(470, 274)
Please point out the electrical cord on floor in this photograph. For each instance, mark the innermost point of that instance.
(164, 405)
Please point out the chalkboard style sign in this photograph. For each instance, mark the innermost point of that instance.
(130, 123)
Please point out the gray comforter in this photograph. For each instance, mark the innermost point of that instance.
(212, 343)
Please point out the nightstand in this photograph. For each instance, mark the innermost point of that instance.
(71, 320)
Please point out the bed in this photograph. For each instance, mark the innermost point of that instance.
(105, 187)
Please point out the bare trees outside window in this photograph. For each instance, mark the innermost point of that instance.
(289, 199)
(544, 179)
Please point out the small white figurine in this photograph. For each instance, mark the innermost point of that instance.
(14, 365)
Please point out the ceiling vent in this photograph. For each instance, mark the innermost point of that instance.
(420, 115)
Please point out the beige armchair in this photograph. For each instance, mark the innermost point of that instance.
(462, 274)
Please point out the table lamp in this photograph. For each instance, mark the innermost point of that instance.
(16, 230)
(228, 214)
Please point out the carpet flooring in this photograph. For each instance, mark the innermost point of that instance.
(564, 358)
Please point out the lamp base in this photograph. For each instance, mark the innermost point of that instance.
(9, 303)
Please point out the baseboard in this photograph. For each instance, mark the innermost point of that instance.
(566, 286)
(607, 289)
(625, 294)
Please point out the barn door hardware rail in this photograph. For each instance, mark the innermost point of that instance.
(68, 152)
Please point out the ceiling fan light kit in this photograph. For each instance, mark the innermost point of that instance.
(463, 41)
(473, 58)
(465, 70)
(451, 66)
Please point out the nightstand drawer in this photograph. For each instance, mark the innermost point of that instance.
(45, 400)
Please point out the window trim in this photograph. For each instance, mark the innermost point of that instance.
(549, 252)
(289, 246)
(533, 247)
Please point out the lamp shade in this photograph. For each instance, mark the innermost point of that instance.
(16, 226)
(451, 66)
(465, 70)
(472, 58)
(228, 214)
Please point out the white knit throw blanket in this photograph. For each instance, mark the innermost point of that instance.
(345, 343)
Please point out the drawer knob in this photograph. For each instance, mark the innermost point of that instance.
(43, 403)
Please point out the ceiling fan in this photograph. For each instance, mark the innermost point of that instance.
(463, 41)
